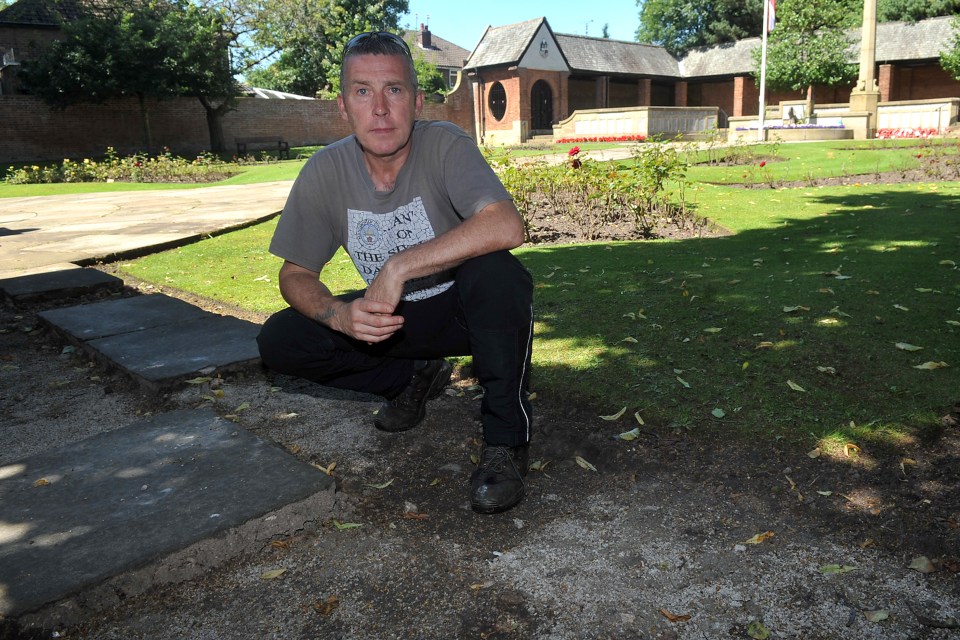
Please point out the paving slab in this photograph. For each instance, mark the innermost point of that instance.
(160, 500)
(158, 340)
(69, 281)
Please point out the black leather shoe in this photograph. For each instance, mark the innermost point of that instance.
(497, 483)
(408, 409)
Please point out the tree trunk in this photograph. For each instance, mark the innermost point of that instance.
(215, 122)
(808, 106)
(145, 117)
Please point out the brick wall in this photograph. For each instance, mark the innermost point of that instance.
(33, 132)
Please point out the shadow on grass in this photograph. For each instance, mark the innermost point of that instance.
(783, 332)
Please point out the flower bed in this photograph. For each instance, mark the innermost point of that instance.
(794, 126)
(629, 138)
(906, 132)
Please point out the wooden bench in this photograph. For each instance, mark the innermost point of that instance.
(263, 142)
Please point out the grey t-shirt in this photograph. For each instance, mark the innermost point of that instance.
(333, 203)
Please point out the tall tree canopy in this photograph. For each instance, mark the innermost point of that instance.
(303, 39)
(682, 25)
(151, 50)
(810, 46)
(913, 10)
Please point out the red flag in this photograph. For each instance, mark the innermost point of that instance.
(771, 14)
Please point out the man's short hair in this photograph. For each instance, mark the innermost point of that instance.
(377, 43)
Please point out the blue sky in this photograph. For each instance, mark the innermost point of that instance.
(463, 23)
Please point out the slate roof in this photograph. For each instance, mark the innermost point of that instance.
(503, 45)
(601, 55)
(442, 53)
(896, 42)
(50, 13)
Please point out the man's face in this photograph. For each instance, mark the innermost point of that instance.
(380, 103)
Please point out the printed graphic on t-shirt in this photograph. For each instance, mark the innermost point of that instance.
(374, 237)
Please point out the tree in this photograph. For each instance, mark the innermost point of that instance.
(810, 46)
(682, 25)
(913, 10)
(153, 50)
(304, 39)
(950, 59)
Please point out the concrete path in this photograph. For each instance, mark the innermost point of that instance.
(40, 233)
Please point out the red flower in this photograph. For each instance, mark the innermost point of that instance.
(574, 151)
(763, 163)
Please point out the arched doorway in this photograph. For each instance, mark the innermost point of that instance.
(541, 107)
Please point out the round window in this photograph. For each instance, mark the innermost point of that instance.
(497, 101)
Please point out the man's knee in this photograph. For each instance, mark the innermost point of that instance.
(496, 276)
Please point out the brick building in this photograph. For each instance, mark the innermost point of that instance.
(527, 78)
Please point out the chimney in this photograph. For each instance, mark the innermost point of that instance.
(425, 42)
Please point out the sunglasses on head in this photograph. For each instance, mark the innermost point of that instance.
(360, 39)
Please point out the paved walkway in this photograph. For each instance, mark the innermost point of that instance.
(42, 233)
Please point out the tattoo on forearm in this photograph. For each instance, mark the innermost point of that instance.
(326, 315)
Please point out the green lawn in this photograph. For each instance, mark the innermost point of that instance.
(807, 325)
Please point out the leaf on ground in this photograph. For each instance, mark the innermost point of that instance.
(273, 574)
(342, 526)
(586, 465)
(766, 344)
(474, 458)
(412, 515)
(826, 290)
(837, 311)
(243, 407)
(757, 630)
(906, 346)
(901, 307)
(795, 308)
(683, 382)
(922, 564)
(825, 493)
(850, 449)
(760, 537)
(876, 616)
(931, 365)
(948, 263)
(42, 482)
(793, 385)
(830, 569)
(718, 413)
(814, 453)
(382, 485)
(633, 434)
(954, 323)
(638, 418)
(328, 606)
(482, 585)
(615, 416)
(630, 339)
(327, 469)
(200, 380)
(713, 330)
(675, 617)
(827, 370)
(538, 465)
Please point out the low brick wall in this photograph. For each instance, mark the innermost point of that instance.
(34, 132)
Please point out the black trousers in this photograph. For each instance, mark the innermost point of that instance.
(487, 313)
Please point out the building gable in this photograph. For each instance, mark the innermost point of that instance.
(543, 52)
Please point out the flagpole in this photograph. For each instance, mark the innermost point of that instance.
(763, 71)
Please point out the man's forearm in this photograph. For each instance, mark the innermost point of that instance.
(305, 293)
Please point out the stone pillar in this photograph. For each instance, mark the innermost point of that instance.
(601, 92)
(866, 95)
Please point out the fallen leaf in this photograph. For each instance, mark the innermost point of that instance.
(342, 526)
(683, 382)
(718, 413)
(814, 453)
(760, 537)
(796, 308)
(42, 482)
(948, 263)
(876, 616)
(243, 407)
(825, 493)
(922, 564)
(410, 515)
(850, 450)
(586, 465)
(633, 434)
(538, 465)
(757, 631)
(869, 542)
(383, 485)
(673, 617)
(328, 606)
(828, 370)
(766, 344)
(482, 585)
(793, 385)
(930, 366)
(901, 307)
(954, 323)
(615, 416)
(904, 346)
(829, 569)
(630, 339)
(638, 418)
(272, 575)
(199, 380)
(713, 330)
